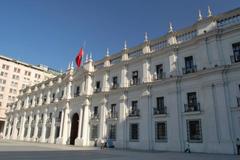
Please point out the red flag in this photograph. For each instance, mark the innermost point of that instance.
(79, 58)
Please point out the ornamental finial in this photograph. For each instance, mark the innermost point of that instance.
(107, 52)
(145, 37)
(209, 12)
(170, 27)
(199, 15)
(125, 45)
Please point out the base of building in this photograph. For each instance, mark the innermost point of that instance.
(79, 142)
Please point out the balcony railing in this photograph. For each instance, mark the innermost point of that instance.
(161, 76)
(58, 119)
(235, 58)
(76, 94)
(95, 117)
(238, 101)
(160, 110)
(189, 69)
(134, 113)
(134, 81)
(113, 115)
(192, 107)
(115, 86)
(97, 90)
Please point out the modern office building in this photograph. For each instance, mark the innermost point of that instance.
(181, 87)
(16, 75)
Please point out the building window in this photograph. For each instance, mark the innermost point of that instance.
(4, 66)
(77, 92)
(134, 111)
(194, 131)
(135, 79)
(98, 86)
(1, 96)
(94, 132)
(160, 109)
(2, 88)
(236, 52)
(95, 110)
(192, 104)
(134, 132)
(27, 73)
(2, 81)
(115, 82)
(16, 70)
(112, 132)
(161, 131)
(189, 65)
(159, 72)
(4, 74)
(113, 113)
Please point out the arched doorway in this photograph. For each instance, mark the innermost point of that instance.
(74, 128)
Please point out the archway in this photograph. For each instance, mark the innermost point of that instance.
(74, 128)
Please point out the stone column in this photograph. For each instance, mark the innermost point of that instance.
(146, 71)
(9, 130)
(22, 128)
(48, 97)
(105, 85)
(5, 128)
(43, 133)
(53, 128)
(64, 126)
(33, 101)
(26, 103)
(29, 127)
(85, 128)
(36, 127)
(102, 123)
(56, 95)
(14, 127)
(78, 140)
(124, 79)
(122, 122)
(40, 99)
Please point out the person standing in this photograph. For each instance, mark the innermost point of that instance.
(238, 146)
(187, 148)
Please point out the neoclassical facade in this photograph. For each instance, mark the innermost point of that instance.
(182, 87)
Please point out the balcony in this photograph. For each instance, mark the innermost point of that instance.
(134, 82)
(115, 86)
(192, 107)
(189, 69)
(76, 94)
(97, 90)
(235, 58)
(112, 116)
(95, 117)
(134, 113)
(159, 76)
(160, 110)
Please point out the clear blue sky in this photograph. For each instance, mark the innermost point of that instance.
(52, 31)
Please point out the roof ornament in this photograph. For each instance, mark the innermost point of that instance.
(170, 27)
(72, 67)
(86, 58)
(125, 45)
(69, 66)
(107, 54)
(90, 56)
(209, 12)
(145, 37)
(199, 15)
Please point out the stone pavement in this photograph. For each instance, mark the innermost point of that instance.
(14, 150)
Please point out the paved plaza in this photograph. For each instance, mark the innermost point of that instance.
(11, 150)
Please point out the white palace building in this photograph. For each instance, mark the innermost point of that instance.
(182, 87)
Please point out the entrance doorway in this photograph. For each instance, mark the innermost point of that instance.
(74, 128)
